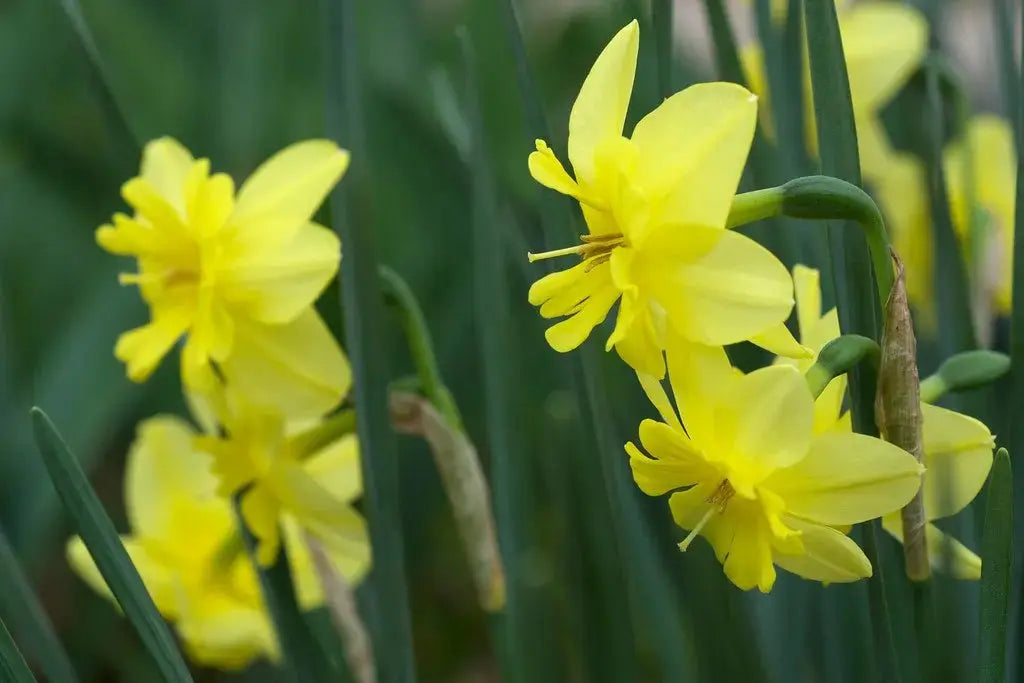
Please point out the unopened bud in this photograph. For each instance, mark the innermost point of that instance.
(837, 358)
(967, 370)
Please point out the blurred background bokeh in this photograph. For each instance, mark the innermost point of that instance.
(236, 80)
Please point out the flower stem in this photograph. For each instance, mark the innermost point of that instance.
(400, 296)
(822, 197)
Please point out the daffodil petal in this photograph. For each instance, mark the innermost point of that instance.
(635, 337)
(600, 108)
(883, 43)
(807, 290)
(143, 348)
(779, 340)
(547, 170)
(167, 481)
(749, 561)
(958, 456)
(655, 393)
(291, 184)
(873, 148)
(571, 332)
(828, 407)
(699, 375)
(165, 165)
(160, 580)
(225, 633)
(765, 419)
(298, 369)
(945, 553)
(692, 150)
(337, 468)
(275, 288)
(673, 462)
(829, 555)
(846, 479)
(260, 510)
(737, 290)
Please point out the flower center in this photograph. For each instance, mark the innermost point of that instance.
(717, 500)
(593, 249)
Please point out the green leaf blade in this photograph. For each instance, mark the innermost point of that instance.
(20, 608)
(13, 668)
(104, 544)
(996, 556)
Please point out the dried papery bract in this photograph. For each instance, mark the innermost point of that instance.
(464, 482)
(898, 413)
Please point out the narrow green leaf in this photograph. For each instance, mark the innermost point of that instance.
(100, 537)
(996, 554)
(301, 656)
(661, 17)
(388, 614)
(856, 297)
(1002, 16)
(518, 649)
(952, 289)
(13, 668)
(727, 56)
(20, 608)
(649, 589)
(121, 128)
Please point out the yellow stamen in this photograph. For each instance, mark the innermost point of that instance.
(578, 249)
(697, 529)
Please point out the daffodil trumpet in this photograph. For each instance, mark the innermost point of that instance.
(822, 198)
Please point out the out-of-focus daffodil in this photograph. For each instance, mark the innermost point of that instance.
(883, 42)
(753, 477)
(957, 448)
(655, 205)
(284, 471)
(227, 271)
(185, 544)
(985, 166)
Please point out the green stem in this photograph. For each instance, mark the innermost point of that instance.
(400, 296)
(823, 197)
(328, 431)
(838, 357)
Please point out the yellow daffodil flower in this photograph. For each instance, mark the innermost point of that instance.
(753, 477)
(986, 166)
(184, 542)
(655, 206)
(957, 448)
(226, 270)
(883, 42)
(270, 463)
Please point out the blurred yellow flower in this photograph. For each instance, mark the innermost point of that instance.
(957, 448)
(655, 205)
(184, 542)
(270, 464)
(985, 166)
(753, 477)
(216, 266)
(883, 42)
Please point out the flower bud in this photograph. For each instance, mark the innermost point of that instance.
(967, 370)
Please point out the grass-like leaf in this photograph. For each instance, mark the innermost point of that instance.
(856, 298)
(121, 129)
(996, 555)
(649, 588)
(100, 537)
(20, 608)
(498, 361)
(13, 668)
(388, 616)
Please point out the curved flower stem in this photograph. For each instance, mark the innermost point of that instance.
(823, 197)
(399, 296)
(838, 357)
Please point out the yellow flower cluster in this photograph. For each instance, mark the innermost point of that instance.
(768, 473)
(232, 278)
